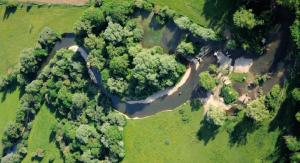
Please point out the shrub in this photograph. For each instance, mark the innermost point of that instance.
(207, 81)
(204, 33)
(185, 48)
(183, 22)
(229, 94)
(238, 77)
(231, 44)
(212, 69)
(143, 4)
(215, 116)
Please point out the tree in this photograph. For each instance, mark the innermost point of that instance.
(229, 94)
(292, 143)
(31, 59)
(207, 81)
(93, 42)
(95, 59)
(295, 32)
(245, 19)
(119, 65)
(257, 110)
(115, 118)
(95, 17)
(115, 33)
(185, 48)
(85, 132)
(215, 116)
(296, 94)
(118, 85)
(154, 71)
(118, 11)
(112, 139)
(48, 38)
(79, 101)
(274, 98)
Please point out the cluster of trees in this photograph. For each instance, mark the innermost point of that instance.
(127, 69)
(65, 88)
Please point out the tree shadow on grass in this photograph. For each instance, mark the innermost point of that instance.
(280, 153)
(10, 9)
(218, 11)
(240, 131)
(8, 90)
(207, 132)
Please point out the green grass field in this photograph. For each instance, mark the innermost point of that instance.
(210, 13)
(8, 109)
(40, 137)
(20, 29)
(166, 138)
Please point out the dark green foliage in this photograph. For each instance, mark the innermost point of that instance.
(229, 94)
(95, 59)
(207, 81)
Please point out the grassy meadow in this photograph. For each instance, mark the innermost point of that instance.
(208, 13)
(169, 137)
(40, 138)
(20, 28)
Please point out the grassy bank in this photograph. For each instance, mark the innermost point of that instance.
(8, 106)
(20, 28)
(40, 137)
(165, 137)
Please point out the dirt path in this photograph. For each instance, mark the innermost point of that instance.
(73, 2)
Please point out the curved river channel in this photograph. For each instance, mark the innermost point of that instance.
(188, 90)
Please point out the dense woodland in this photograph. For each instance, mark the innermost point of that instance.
(89, 129)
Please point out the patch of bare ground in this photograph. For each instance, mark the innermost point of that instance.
(71, 2)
